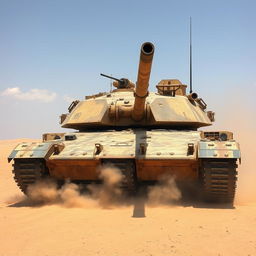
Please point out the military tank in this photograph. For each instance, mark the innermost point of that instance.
(144, 134)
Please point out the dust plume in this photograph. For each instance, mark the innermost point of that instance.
(71, 197)
(43, 192)
(164, 192)
(46, 192)
(107, 194)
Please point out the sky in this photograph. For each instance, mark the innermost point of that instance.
(53, 52)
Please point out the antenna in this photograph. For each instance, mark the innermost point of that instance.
(110, 85)
(190, 55)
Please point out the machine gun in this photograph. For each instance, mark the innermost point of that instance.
(122, 83)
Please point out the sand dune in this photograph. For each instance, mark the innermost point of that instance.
(57, 229)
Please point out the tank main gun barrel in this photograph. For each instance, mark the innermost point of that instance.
(141, 91)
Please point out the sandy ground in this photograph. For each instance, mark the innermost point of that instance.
(193, 229)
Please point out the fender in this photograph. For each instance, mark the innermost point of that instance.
(219, 149)
(36, 150)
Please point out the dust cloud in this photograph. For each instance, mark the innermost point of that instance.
(44, 192)
(107, 194)
(71, 197)
(165, 192)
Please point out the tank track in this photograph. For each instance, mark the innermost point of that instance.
(130, 178)
(28, 171)
(127, 168)
(218, 178)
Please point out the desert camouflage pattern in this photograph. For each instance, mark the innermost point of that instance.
(114, 109)
(167, 151)
(219, 149)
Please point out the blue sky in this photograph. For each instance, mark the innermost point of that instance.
(61, 47)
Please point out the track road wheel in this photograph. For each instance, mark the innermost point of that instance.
(28, 171)
(218, 177)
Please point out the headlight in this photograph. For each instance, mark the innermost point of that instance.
(223, 136)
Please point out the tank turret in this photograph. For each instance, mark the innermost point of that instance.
(133, 106)
(141, 91)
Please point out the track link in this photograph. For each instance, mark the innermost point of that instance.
(218, 178)
(28, 171)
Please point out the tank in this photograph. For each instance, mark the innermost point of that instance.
(145, 134)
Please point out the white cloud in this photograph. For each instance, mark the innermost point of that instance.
(33, 94)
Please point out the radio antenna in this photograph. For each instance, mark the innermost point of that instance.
(190, 55)
(111, 85)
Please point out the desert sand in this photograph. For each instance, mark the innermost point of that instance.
(191, 229)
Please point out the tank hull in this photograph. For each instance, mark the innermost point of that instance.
(153, 152)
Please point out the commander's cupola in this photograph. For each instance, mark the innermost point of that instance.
(171, 87)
